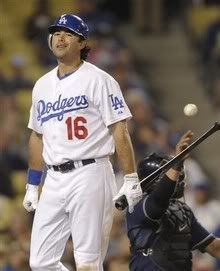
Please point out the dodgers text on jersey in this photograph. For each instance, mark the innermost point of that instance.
(48, 110)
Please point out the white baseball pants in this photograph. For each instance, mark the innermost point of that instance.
(77, 203)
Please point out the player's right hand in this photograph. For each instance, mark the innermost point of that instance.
(131, 189)
(31, 197)
(184, 142)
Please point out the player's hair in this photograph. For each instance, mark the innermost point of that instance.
(85, 51)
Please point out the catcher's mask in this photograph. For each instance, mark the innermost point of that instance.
(151, 163)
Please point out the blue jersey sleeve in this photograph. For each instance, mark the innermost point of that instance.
(140, 215)
(141, 228)
(151, 208)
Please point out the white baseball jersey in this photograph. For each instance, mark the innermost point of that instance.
(73, 114)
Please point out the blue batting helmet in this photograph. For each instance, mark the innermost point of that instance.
(72, 23)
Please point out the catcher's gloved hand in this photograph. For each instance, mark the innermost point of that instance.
(31, 197)
(131, 189)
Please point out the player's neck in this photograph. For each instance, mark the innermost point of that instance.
(64, 68)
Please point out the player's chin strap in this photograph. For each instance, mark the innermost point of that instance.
(49, 40)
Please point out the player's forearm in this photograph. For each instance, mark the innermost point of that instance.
(35, 148)
(124, 148)
(158, 200)
(126, 157)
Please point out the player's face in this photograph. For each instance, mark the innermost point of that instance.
(66, 45)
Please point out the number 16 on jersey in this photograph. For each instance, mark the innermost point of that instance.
(75, 128)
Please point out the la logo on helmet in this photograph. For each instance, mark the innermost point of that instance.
(62, 20)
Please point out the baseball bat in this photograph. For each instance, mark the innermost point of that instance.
(122, 203)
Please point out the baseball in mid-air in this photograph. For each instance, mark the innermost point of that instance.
(190, 110)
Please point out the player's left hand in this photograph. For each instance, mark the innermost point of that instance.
(31, 198)
(132, 191)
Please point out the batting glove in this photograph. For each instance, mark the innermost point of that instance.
(31, 197)
(132, 191)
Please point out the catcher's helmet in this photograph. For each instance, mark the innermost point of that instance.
(151, 163)
(72, 23)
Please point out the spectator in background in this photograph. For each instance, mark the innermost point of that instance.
(172, 11)
(37, 24)
(9, 133)
(216, 93)
(107, 48)
(5, 219)
(211, 2)
(210, 47)
(18, 238)
(195, 175)
(107, 52)
(204, 2)
(206, 210)
(118, 229)
(36, 31)
(118, 250)
(20, 230)
(4, 86)
(148, 130)
(124, 73)
(211, 43)
(16, 258)
(2, 254)
(98, 21)
(18, 79)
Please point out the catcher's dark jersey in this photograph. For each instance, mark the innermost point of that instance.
(173, 236)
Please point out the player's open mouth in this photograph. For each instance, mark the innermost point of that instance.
(61, 46)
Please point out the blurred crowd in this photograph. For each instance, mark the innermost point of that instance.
(206, 43)
(149, 128)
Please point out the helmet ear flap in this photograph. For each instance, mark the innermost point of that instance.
(50, 41)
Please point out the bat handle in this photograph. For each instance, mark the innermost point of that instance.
(121, 203)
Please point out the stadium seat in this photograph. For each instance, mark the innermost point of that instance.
(23, 100)
(19, 181)
(200, 18)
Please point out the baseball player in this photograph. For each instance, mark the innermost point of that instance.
(78, 119)
(163, 230)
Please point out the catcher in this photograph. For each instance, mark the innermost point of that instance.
(162, 230)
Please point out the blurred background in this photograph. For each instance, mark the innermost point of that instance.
(163, 53)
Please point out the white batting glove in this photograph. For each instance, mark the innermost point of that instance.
(31, 197)
(131, 189)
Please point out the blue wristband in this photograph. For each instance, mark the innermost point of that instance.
(34, 176)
